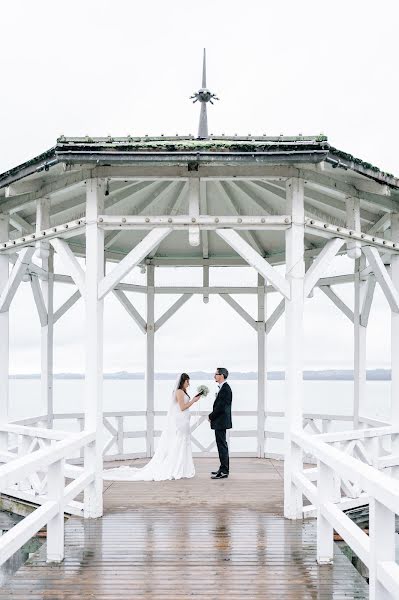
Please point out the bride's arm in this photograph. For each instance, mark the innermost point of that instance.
(180, 399)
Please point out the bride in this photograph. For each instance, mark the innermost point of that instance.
(173, 457)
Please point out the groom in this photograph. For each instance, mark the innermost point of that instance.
(220, 420)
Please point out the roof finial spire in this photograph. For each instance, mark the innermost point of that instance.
(203, 95)
(204, 70)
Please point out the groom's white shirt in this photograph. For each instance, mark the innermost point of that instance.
(223, 382)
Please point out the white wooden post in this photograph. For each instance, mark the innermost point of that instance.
(395, 344)
(24, 443)
(382, 546)
(55, 527)
(354, 248)
(4, 335)
(46, 254)
(93, 499)
(325, 532)
(295, 272)
(360, 333)
(149, 370)
(262, 372)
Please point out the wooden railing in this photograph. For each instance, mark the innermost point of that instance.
(323, 489)
(28, 472)
(117, 430)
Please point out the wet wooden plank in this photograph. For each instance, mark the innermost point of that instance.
(197, 539)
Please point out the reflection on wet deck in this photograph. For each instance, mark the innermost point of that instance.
(199, 538)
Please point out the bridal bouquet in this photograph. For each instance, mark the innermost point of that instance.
(203, 390)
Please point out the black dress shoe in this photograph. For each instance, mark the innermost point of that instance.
(215, 472)
(220, 476)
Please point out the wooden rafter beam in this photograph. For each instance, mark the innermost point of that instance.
(181, 192)
(315, 199)
(250, 236)
(145, 205)
(381, 225)
(194, 210)
(204, 211)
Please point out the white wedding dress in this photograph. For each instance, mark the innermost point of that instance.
(173, 458)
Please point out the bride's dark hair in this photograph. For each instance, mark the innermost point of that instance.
(183, 377)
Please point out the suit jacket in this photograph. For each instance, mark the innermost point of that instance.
(220, 416)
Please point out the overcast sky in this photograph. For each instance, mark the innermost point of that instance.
(119, 67)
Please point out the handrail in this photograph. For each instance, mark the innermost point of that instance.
(42, 432)
(21, 467)
(51, 511)
(357, 434)
(376, 550)
(373, 482)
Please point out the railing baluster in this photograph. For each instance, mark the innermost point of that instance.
(81, 425)
(23, 448)
(55, 527)
(325, 534)
(119, 421)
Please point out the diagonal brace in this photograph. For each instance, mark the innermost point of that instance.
(39, 300)
(381, 275)
(274, 317)
(171, 311)
(338, 302)
(66, 306)
(131, 260)
(321, 263)
(15, 278)
(70, 263)
(241, 311)
(233, 239)
(130, 309)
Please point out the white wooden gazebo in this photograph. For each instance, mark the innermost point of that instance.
(121, 203)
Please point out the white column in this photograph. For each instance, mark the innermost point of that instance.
(395, 343)
(4, 334)
(46, 254)
(150, 351)
(360, 332)
(262, 372)
(295, 271)
(354, 251)
(93, 500)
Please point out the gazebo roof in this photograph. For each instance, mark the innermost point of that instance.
(128, 149)
(241, 175)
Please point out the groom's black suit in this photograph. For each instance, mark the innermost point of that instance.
(220, 419)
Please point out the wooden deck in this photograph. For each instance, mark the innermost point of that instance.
(194, 538)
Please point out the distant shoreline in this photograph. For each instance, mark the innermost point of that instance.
(324, 375)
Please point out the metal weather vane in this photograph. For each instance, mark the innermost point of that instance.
(204, 95)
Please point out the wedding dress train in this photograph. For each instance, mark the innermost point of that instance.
(173, 457)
